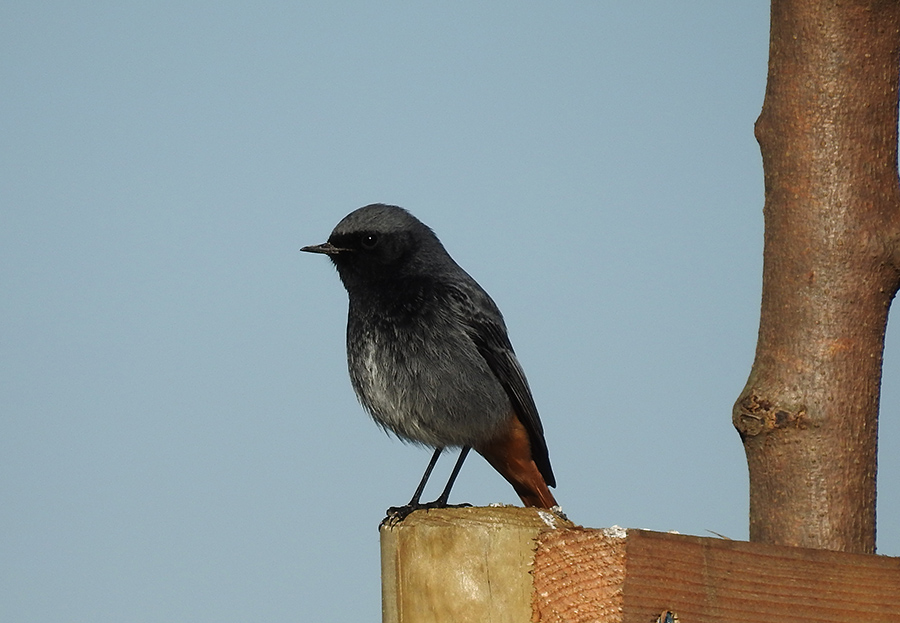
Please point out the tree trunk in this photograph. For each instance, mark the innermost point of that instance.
(808, 416)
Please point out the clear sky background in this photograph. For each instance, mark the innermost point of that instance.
(180, 441)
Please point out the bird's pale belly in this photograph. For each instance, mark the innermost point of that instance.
(429, 401)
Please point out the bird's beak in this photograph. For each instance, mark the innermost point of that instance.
(327, 248)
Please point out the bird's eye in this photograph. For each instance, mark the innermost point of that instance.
(369, 241)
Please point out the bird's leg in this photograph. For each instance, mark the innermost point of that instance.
(399, 513)
(441, 502)
(414, 502)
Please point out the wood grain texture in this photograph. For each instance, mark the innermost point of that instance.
(580, 576)
(595, 575)
(462, 564)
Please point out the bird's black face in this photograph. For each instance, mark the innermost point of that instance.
(369, 255)
(377, 243)
(374, 250)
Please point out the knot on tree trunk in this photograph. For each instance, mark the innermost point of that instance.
(754, 414)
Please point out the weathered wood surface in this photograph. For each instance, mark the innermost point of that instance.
(594, 575)
(516, 565)
(462, 564)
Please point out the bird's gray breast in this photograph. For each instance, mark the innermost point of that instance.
(421, 376)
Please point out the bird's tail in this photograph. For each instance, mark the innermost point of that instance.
(510, 454)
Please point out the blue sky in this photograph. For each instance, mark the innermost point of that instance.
(181, 441)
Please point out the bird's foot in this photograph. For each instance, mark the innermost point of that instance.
(396, 514)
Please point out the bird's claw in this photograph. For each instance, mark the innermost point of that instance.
(396, 514)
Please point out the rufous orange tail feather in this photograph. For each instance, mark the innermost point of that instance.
(510, 454)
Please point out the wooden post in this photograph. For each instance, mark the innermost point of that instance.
(462, 564)
(521, 565)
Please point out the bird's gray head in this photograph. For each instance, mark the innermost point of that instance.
(379, 242)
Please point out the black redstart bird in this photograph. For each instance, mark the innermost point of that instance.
(428, 352)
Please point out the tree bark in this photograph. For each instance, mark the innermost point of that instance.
(808, 416)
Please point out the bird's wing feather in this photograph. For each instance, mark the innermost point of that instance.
(488, 332)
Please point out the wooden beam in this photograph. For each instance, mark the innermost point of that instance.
(509, 564)
(633, 576)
